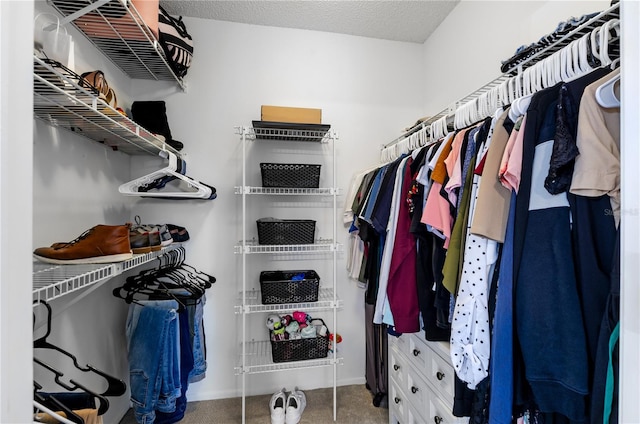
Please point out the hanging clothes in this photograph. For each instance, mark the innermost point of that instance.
(492, 208)
(502, 231)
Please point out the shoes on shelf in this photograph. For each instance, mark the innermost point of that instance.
(143, 240)
(147, 238)
(296, 402)
(165, 235)
(97, 245)
(277, 407)
(179, 234)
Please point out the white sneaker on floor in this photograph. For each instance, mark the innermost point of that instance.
(296, 402)
(277, 406)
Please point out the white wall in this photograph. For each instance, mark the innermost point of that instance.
(16, 106)
(630, 264)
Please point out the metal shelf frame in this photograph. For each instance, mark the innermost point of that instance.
(253, 304)
(52, 281)
(286, 191)
(259, 359)
(287, 134)
(256, 357)
(320, 246)
(116, 28)
(60, 101)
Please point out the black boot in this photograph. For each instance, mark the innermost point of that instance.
(152, 116)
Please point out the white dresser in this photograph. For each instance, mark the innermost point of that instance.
(421, 381)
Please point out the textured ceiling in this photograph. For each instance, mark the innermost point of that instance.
(398, 20)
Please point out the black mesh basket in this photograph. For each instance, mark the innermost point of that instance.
(289, 286)
(301, 349)
(286, 231)
(290, 175)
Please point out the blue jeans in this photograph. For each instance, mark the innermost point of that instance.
(186, 365)
(152, 331)
(199, 348)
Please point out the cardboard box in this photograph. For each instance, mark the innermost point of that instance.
(296, 115)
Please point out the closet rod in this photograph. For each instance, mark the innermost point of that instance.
(417, 127)
(449, 111)
(610, 13)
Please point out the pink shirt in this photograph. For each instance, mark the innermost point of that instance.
(437, 213)
(454, 168)
(511, 165)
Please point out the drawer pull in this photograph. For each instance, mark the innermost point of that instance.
(416, 352)
(437, 419)
(414, 389)
(396, 367)
(440, 375)
(397, 399)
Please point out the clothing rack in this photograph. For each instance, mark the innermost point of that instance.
(501, 91)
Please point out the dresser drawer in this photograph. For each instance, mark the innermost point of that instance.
(399, 342)
(398, 367)
(418, 353)
(418, 392)
(440, 413)
(398, 405)
(440, 374)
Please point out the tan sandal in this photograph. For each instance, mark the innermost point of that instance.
(111, 99)
(96, 80)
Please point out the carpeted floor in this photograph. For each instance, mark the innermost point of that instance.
(354, 406)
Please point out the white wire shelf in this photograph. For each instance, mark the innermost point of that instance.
(253, 303)
(282, 191)
(259, 359)
(60, 101)
(320, 246)
(51, 281)
(116, 28)
(612, 12)
(274, 133)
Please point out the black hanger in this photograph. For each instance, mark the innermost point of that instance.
(116, 387)
(104, 403)
(55, 405)
(173, 279)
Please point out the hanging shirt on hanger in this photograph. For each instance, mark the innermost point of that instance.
(492, 208)
(597, 168)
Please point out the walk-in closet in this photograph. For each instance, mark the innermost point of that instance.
(279, 218)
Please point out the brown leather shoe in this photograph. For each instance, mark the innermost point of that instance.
(100, 244)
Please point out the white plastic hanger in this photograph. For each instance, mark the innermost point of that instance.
(51, 413)
(199, 190)
(594, 38)
(553, 69)
(566, 64)
(583, 53)
(605, 94)
(612, 25)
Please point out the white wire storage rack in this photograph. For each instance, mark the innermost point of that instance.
(52, 281)
(256, 356)
(116, 28)
(60, 101)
